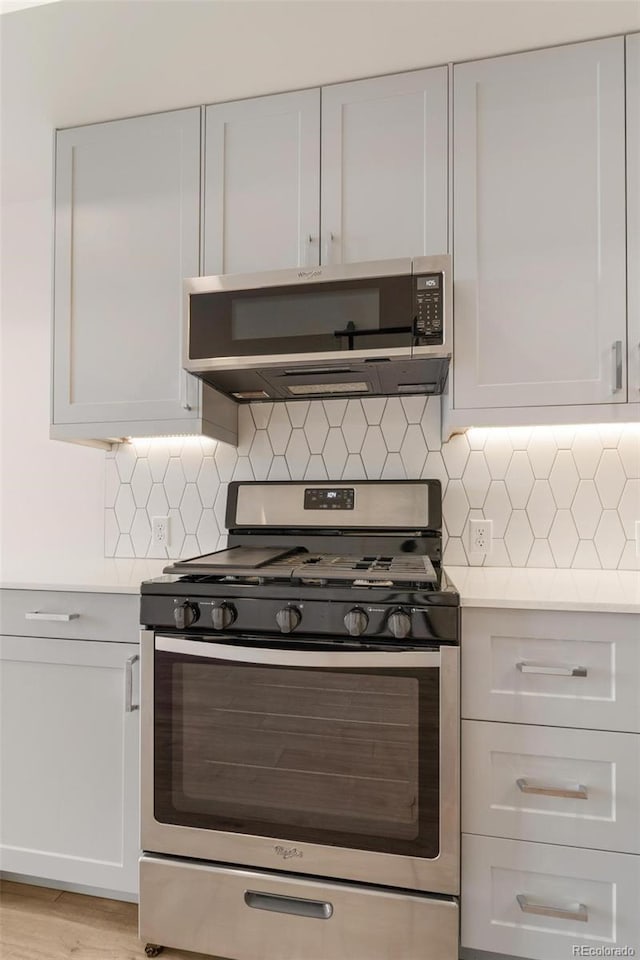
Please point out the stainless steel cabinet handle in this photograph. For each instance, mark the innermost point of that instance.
(277, 903)
(551, 669)
(529, 905)
(129, 705)
(52, 617)
(579, 792)
(618, 353)
(311, 260)
(329, 239)
(184, 390)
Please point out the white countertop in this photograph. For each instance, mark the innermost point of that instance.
(510, 587)
(612, 591)
(105, 576)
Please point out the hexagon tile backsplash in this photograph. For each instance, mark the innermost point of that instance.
(558, 496)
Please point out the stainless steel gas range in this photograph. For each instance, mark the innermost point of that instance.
(300, 731)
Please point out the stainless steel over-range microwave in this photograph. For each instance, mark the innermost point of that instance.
(376, 328)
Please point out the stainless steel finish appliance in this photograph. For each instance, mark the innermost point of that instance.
(382, 327)
(300, 731)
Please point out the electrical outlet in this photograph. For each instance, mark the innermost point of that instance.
(481, 536)
(160, 531)
(637, 538)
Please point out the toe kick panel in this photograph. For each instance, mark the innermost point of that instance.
(248, 915)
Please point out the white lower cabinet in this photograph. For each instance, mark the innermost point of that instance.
(544, 902)
(69, 732)
(550, 804)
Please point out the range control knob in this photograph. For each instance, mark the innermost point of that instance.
(288, 619)
(356, 621)
(223, 616)
(185, 614)
(399, 624)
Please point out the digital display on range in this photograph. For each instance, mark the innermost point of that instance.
(329, 498)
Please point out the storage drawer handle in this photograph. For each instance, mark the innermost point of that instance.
(551, 669)
(579, 792)
(529, 905)
(129, 705)
(276, 903)
(52, 617)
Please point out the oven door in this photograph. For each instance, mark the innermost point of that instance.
(326, 761)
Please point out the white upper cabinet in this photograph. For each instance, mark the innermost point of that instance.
(384, 167)
(539, 228)
(383, 189)
(127, 233)
(633, 217)
(262, 183)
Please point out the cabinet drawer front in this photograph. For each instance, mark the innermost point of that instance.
(552, 668)
(580, 788)
(535, 900)
(74, 616)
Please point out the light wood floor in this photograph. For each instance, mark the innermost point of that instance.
(38, 923)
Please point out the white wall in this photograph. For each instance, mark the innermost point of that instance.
(78, 62)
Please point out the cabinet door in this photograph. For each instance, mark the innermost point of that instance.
(633, 214)
(69, 762)
(539, 228)
(384, 167)
(262, 183)
(127, 234)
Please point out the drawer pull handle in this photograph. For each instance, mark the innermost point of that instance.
(551, 669)
(579, 792)
(51, 617)
(529, 905)
(276, 903)
(129, 705)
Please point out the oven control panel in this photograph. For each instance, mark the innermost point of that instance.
(329, 498)
(283, 618)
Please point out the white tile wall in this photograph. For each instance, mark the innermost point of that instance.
(558, 496)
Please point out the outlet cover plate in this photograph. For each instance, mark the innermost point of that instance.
(480, 537)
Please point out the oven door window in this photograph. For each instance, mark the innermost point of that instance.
(345, 757)
(314, 318)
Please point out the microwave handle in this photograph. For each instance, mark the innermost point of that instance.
(297, 658)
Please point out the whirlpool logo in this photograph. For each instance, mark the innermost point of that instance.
(309, 274)
(287, 852)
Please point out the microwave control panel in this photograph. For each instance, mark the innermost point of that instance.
(429, 307)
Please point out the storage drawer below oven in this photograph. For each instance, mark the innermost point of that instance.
(246, 915)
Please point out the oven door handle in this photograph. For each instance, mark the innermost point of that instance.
(297, 658)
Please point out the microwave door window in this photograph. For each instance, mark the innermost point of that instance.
(327, 756)
(321, 314)
(314, 318)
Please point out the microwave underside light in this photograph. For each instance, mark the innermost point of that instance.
(306, 389)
